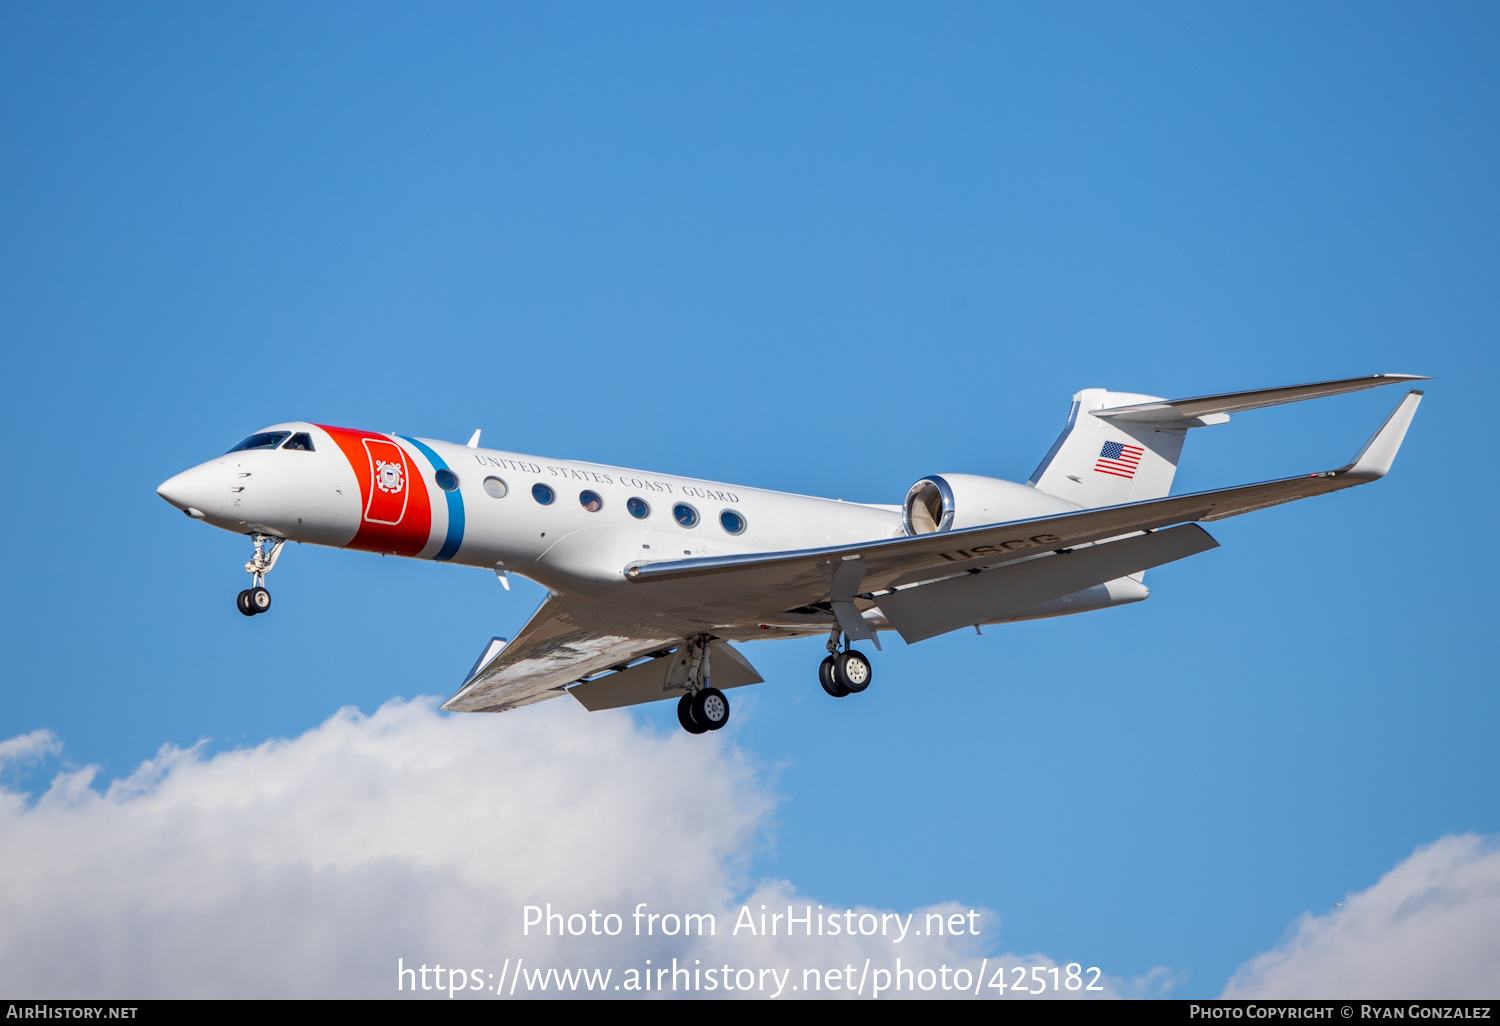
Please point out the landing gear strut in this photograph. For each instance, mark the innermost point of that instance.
(257, 599)
(703, 708)
(846, 671)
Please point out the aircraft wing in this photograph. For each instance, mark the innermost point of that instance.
(565, 640)
(743, 586)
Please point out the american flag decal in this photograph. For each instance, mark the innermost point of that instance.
(1119, 459)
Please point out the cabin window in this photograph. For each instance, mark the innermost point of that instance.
(541, 493)
(301, 441)
(685, 515)
(446, 479)
(591, 501)
(495, 487)
(732, 522)
(262, 440)
(639, 508)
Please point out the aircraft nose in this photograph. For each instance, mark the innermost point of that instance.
(189, 491)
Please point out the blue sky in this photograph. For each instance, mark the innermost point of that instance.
(826, 249)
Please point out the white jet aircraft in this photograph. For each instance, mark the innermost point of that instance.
(650, 576)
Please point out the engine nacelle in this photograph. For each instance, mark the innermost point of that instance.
(953, 501)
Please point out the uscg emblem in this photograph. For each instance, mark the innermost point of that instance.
(388, 476)
(395, 510)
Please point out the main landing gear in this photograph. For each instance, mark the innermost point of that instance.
(703, 708)
(845, 671)
(707, 710)
(257, 599)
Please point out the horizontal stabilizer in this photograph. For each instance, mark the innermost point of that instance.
(1214, 409)
(1006, 591)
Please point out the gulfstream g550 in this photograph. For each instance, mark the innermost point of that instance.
(650, 576)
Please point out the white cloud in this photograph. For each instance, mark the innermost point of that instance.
(1430, 928)
(29, 746)
(308, 867)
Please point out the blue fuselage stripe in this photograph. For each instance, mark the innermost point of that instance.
(455, 536)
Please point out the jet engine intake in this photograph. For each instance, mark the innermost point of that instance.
(950, 502)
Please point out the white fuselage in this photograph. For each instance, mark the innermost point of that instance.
(575, 528)
(320, 497)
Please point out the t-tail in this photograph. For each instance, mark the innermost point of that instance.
(1120, 447)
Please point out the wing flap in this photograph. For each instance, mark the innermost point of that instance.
(649, 681)
(1005, 592)
(558, 645)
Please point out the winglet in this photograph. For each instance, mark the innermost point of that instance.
(474, 439)
(1375, 459)
(486, 657)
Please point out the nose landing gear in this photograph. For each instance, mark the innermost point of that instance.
(257, 599)
(253, 600)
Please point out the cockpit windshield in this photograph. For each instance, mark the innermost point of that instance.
(262, 440)
(301, 441)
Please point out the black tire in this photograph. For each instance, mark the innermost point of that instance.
(685, 716)
(825, 678)
(711, 708)
(851, 671)
(259, 600)
(242, 603)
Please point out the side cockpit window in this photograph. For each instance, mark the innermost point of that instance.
(262, 440)
(301, 441)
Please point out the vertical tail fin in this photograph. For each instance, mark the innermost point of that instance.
(1099, 462)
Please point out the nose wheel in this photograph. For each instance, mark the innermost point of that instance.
(253, 600)
(257, 599)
